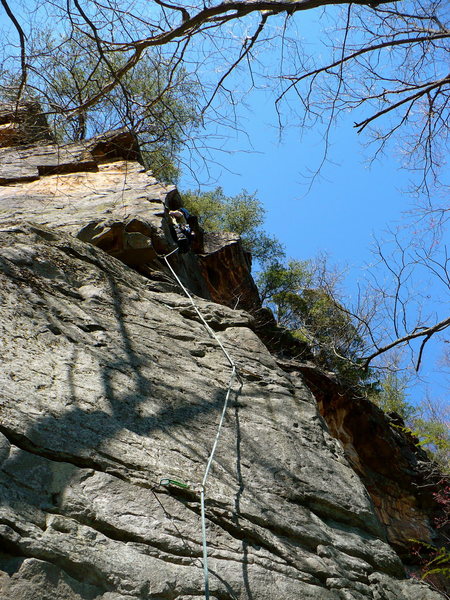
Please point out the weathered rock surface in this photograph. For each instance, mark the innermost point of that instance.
(110, 383)
(97, 192)
(23, 124)
(226, 268)
(389, 461)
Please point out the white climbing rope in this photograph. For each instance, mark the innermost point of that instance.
(234, 374)
(208, 328)
(203, 484)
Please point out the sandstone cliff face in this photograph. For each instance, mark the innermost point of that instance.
(389, 461)
(109, 383)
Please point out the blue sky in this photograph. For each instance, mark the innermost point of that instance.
(349, 201)
(346, 204)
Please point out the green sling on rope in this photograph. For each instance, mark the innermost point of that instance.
(179, 484)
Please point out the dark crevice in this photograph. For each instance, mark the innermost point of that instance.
(61, 169)
(10, 562)
(25, 444)
(90, 574)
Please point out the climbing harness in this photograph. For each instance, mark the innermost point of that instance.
(234, 375)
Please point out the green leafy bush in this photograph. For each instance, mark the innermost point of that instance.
(242, 214)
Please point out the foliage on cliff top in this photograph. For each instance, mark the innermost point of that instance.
(242, 214)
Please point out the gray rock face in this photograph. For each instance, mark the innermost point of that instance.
(110, 383)
(226, 268)
(97, 192)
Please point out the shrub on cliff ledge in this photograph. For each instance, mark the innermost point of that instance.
(242, 214)
(303, 297)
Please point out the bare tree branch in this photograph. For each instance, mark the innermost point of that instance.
(427, 333)
(386, 58)
(246, 49)
(23, 55)
(408, 100)
(203, 18)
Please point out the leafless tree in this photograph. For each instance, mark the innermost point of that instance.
(412, 271)
(387, 61)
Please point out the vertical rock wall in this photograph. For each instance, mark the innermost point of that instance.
(110, 383)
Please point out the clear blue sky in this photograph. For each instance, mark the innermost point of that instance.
(347, 203)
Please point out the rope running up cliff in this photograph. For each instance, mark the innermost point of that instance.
(234, 375)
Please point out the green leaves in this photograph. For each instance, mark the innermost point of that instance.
(242, 214)
(302, 296)
(439, 562)
(391, 394)
(424, 420)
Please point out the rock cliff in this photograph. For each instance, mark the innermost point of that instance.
(110, 383)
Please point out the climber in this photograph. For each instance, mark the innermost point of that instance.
(182, 230)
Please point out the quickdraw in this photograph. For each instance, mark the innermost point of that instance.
(166, 482)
